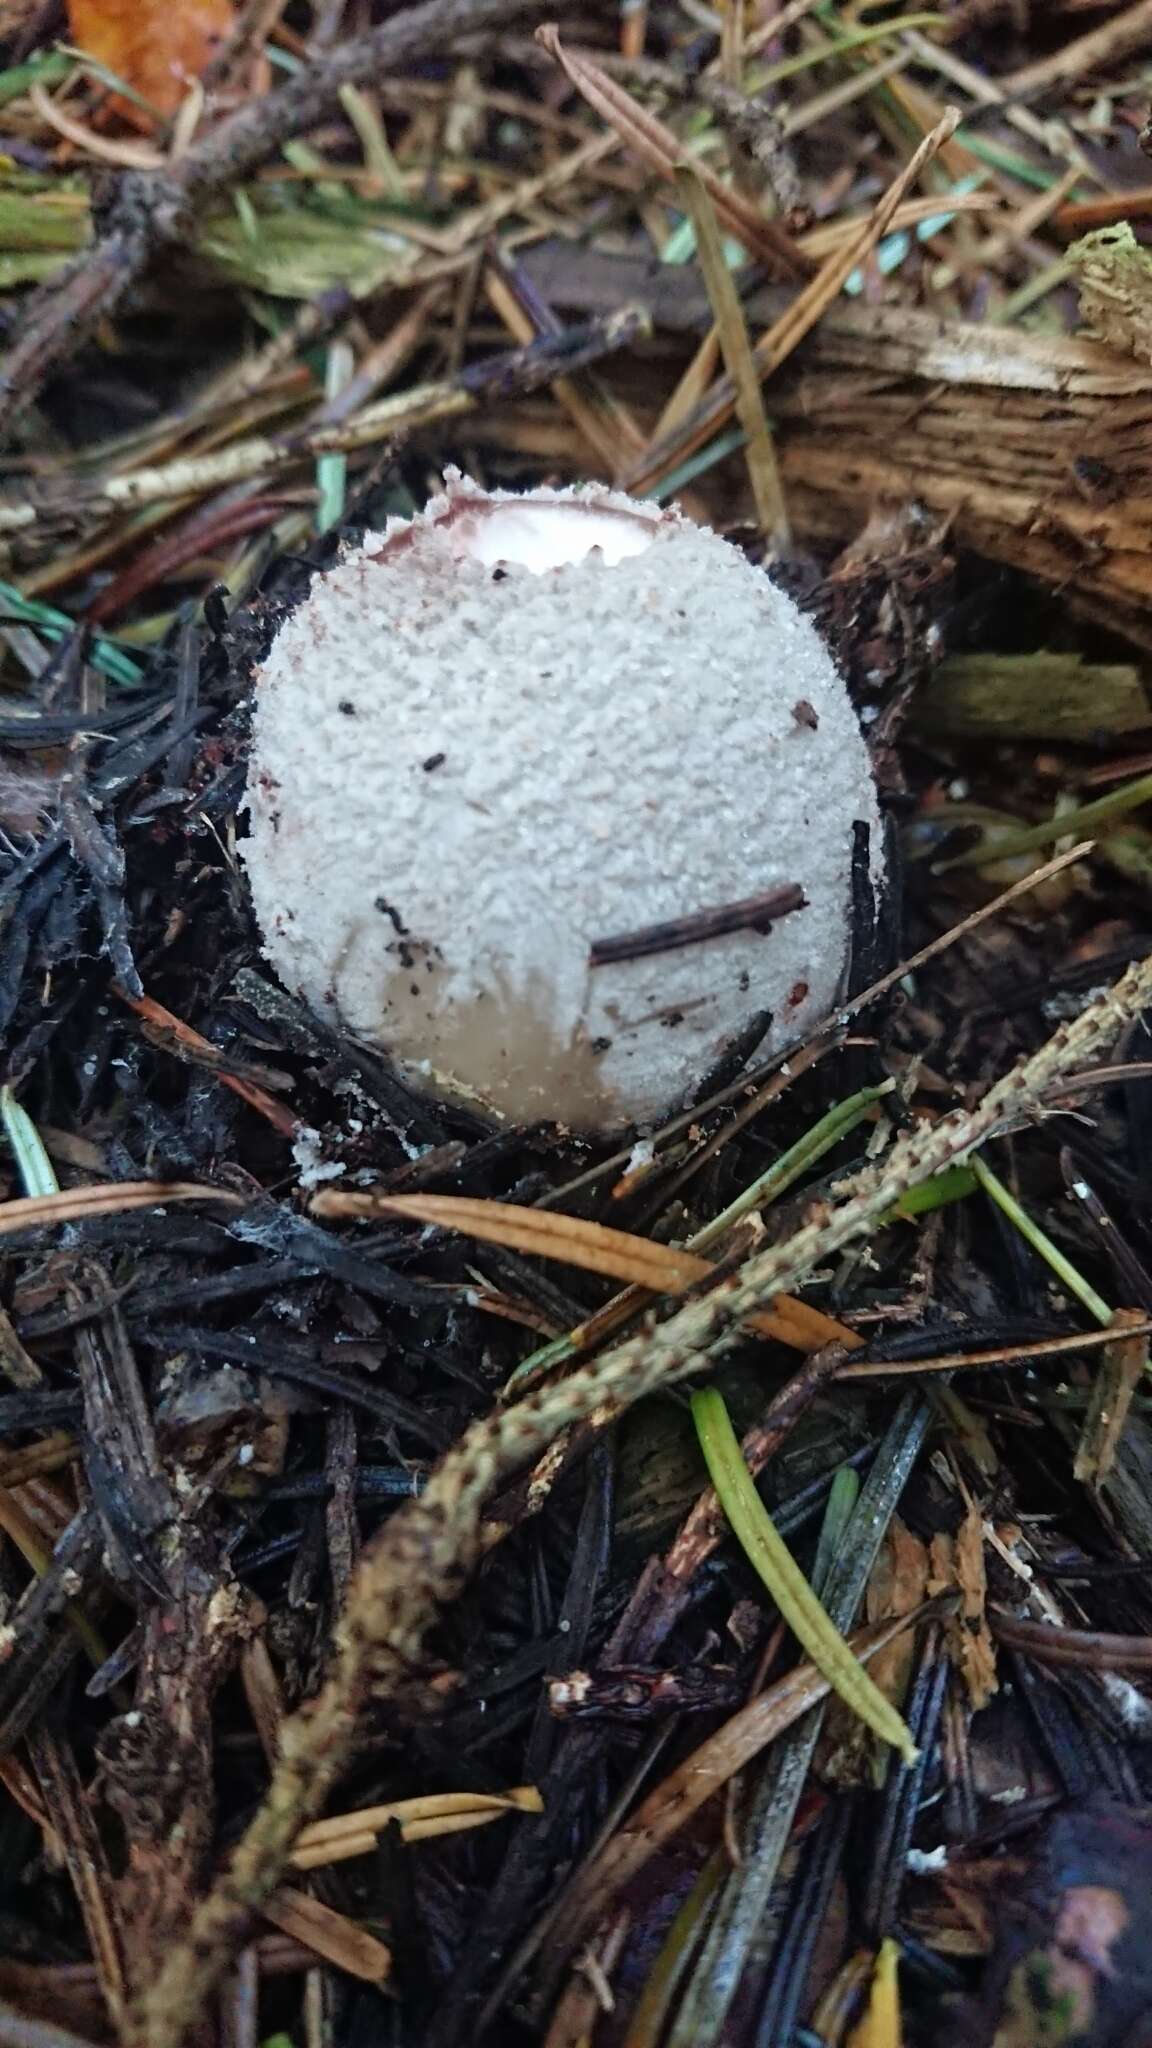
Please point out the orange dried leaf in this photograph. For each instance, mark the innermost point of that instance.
(156, 47)
(958, 1561)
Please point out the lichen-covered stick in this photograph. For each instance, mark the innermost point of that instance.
(425, 1552)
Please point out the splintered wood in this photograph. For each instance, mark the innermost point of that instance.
(1036, 449)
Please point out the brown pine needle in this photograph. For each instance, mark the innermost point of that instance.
(615, 1254)
(34, 1212)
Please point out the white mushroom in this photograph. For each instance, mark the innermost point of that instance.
(515, 727)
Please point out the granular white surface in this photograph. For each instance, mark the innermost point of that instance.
(463, 775)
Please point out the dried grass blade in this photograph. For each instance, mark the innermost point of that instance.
(760, 453)
(29, 1212)
(330, 1935)
(662, 149)
(768, 1553)
(615, 1254)
(774, 348)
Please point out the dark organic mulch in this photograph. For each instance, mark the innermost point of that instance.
(212, 1403)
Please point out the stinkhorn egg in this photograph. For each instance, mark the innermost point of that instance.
(501, 742)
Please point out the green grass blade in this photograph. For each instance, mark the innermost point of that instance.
(1065, 1271)
(771, 1558)
(37, 1175)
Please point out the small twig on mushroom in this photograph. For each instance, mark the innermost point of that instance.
(754, 913)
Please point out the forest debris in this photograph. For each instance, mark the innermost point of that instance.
(672, 1803)
(153, 215)
(959, 1561)
(1051, 695)
(795, 1598)
(661, 149)
(615, 1254)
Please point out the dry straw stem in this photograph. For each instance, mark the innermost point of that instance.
(763, 470)
(424, 1554)
(1121, 37)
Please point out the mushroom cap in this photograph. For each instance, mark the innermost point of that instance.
(514, 726)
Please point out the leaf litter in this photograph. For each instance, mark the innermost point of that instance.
(272, 1748)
